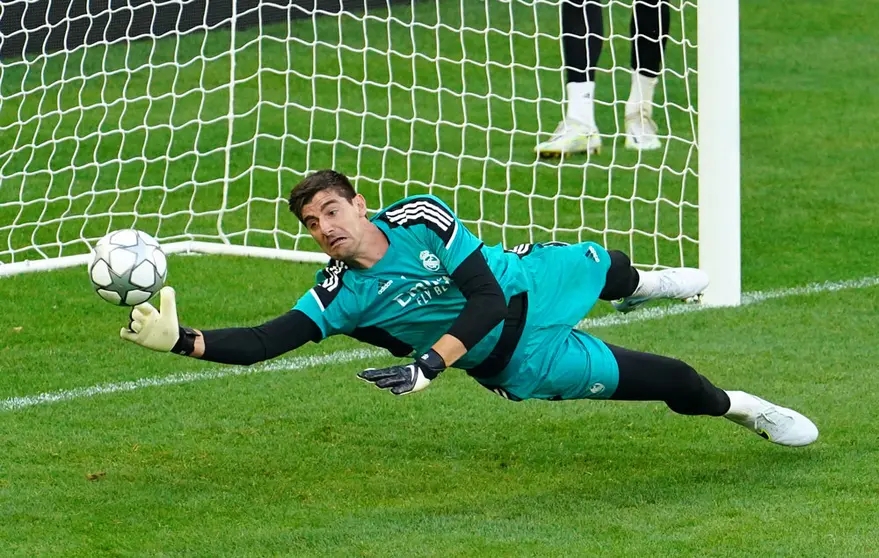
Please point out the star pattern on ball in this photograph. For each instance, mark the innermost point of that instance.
(140, 252)
(118, 282)
(121, 283)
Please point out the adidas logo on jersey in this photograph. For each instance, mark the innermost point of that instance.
(383, 285)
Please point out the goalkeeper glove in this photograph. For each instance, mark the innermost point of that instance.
(158, 329)
(406, 379)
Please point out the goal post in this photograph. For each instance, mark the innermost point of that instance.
(719, 151)
(192, 120)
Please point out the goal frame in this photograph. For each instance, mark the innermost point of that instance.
(718, 139)
(719, 151)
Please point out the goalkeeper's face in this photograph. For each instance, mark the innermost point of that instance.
(337, 224)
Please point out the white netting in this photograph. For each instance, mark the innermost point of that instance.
(201, 135)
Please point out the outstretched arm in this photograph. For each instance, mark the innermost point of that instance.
(485, 308)
(159, 330)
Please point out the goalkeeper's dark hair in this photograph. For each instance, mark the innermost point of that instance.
(326, 179)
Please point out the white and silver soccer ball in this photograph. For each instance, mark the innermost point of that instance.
(128, 267)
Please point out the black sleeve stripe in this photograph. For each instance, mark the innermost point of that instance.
(425, 212)
(327, 291)
(521, 250)
(419, 206)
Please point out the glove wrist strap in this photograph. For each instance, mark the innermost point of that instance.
(431, 364)
(185, 342)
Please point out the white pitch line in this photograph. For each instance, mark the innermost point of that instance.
(343, 357)
(754, 297)
(641, 315)
(814, 288)
(292, 363)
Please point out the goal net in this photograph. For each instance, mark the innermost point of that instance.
(191, 121)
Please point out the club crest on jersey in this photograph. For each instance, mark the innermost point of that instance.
(429, 261)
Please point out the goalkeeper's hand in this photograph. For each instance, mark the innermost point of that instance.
(405, 379)
(154, 329)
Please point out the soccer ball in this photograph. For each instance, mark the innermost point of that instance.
(128, 267)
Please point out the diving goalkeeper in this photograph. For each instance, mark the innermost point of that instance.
(413, 280)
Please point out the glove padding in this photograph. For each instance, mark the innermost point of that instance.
(401, 380)
(154, 329)
(407, 379)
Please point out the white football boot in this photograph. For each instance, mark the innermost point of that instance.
(570, 137)
(773, 422)
(641, 132)
(681, 283)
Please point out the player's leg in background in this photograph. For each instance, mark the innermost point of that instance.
(649, 377)
(582, 39)
(649, 30)
(629, 288)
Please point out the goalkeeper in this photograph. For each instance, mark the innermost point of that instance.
(413, 280)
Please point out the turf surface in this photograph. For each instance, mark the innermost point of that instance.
(302, 459)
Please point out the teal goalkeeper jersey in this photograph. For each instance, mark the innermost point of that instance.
(407, 300)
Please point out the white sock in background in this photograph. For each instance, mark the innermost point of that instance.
(641, 94)
(580, 104)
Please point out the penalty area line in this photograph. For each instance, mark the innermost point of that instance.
(345, 357)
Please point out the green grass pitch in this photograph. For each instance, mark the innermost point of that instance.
(299, 458)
